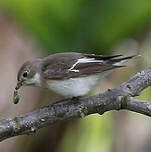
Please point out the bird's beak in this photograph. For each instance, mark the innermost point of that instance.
(19, 84)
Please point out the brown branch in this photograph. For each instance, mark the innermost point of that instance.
(114, 99)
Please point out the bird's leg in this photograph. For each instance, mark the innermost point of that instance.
(76, 98)
(73, 100)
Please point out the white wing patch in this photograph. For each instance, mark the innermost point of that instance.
(83, 60)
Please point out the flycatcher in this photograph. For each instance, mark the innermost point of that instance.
(68, 74)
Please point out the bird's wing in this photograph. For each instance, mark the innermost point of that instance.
(70, 65)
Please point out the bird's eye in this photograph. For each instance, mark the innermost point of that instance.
(25, 74)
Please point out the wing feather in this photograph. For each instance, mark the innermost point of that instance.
(70, 65)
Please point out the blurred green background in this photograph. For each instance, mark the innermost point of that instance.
(80, 25)
(89, 26)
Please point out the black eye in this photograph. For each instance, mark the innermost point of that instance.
(25, 74)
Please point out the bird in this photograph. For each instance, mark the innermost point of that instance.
(68, 74)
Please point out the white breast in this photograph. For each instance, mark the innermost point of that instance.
(75, 86)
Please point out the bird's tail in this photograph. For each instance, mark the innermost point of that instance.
(120, 61)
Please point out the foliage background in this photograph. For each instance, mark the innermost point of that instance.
(31, 28)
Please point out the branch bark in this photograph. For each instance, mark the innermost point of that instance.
(112, 99)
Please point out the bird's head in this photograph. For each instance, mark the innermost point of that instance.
(28, 74)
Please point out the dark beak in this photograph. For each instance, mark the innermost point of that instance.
(19, 84)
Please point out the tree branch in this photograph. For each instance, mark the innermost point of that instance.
(112, 99)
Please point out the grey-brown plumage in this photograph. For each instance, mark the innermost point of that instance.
(69, 74)
(57, 66)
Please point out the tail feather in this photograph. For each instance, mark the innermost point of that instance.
(120, 61)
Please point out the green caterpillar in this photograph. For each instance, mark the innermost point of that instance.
(16, 97)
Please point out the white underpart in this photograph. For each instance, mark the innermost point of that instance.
(83, 60)
(74, 87)
(34, 81)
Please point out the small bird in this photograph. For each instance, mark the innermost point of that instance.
(69, 74)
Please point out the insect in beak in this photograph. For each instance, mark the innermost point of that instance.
(16, 95)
